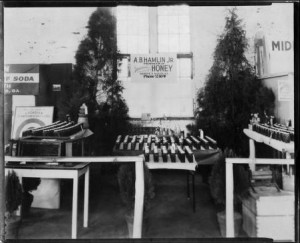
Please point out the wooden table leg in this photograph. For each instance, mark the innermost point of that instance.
(229, 201)
(75, 207)
(139, 200)
(252, 153)
(194, 196)
(188, 185)
(82, 147)
(69, 149)
(86, 197)
(288, 156)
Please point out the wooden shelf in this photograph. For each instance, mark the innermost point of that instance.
(276, 144)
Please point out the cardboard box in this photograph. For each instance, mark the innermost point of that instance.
(47, 194)
(269, 213)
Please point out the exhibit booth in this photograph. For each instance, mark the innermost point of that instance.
(164, 61)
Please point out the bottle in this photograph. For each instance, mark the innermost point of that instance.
(83, 116)
(271, 121)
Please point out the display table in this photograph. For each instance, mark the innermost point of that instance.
(266, 209)
(289, 148)
(73, 172)
(279, 208)
(139, 181)
(178, 165)
(50, 146)
(276, 144)
(191, 166)
(205, 153)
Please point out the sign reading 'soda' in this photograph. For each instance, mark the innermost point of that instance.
(18, 83)
(153, 67)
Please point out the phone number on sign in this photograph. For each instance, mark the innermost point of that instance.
(156, 76)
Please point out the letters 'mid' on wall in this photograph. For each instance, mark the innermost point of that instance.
(274, 56)
(282, 46)
(275, 66)
(281, 55)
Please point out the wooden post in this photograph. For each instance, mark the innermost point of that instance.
(287, 156)
(252, 153)
(2, 118)
(74, 207)
(139, 199)
(229, 200)
(69, 151)
(82, 147)
(86, 197)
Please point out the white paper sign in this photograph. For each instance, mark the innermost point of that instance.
(285, 90)
(30, 117)
(153, 67)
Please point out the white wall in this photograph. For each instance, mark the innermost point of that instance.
(277, 25)
(165, 99)
(52, 35)
(284, 109)
(43, 35)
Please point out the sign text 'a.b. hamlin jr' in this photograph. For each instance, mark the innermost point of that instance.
(153, 67)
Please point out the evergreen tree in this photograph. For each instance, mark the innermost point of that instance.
(95, 82)
(232, 90)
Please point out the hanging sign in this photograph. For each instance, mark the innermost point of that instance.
(281, 54)
(27, 117)
(153, 67)
(19, 81)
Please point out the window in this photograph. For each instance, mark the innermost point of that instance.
(133, 29)
(173, 29)
(184, 67)
(169, 28)
(174, 36)
(132, 34)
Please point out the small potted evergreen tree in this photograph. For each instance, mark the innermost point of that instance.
(126, 180)
(217, 183)
(13, 199)
(232, 91)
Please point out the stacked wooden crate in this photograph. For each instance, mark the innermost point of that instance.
(269, 213)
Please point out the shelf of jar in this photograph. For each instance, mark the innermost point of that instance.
(276, 144)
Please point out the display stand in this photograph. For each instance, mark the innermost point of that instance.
(61, 146)
(253, 136)
(139, 182)
(194, 153)
(50, 146)
(60, 172)
(252, 161)
(230, 188)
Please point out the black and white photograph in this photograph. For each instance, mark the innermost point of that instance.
(143, 121)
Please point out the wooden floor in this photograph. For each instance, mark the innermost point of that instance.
(170, 215)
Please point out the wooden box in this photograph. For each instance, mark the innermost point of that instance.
(269, 213)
